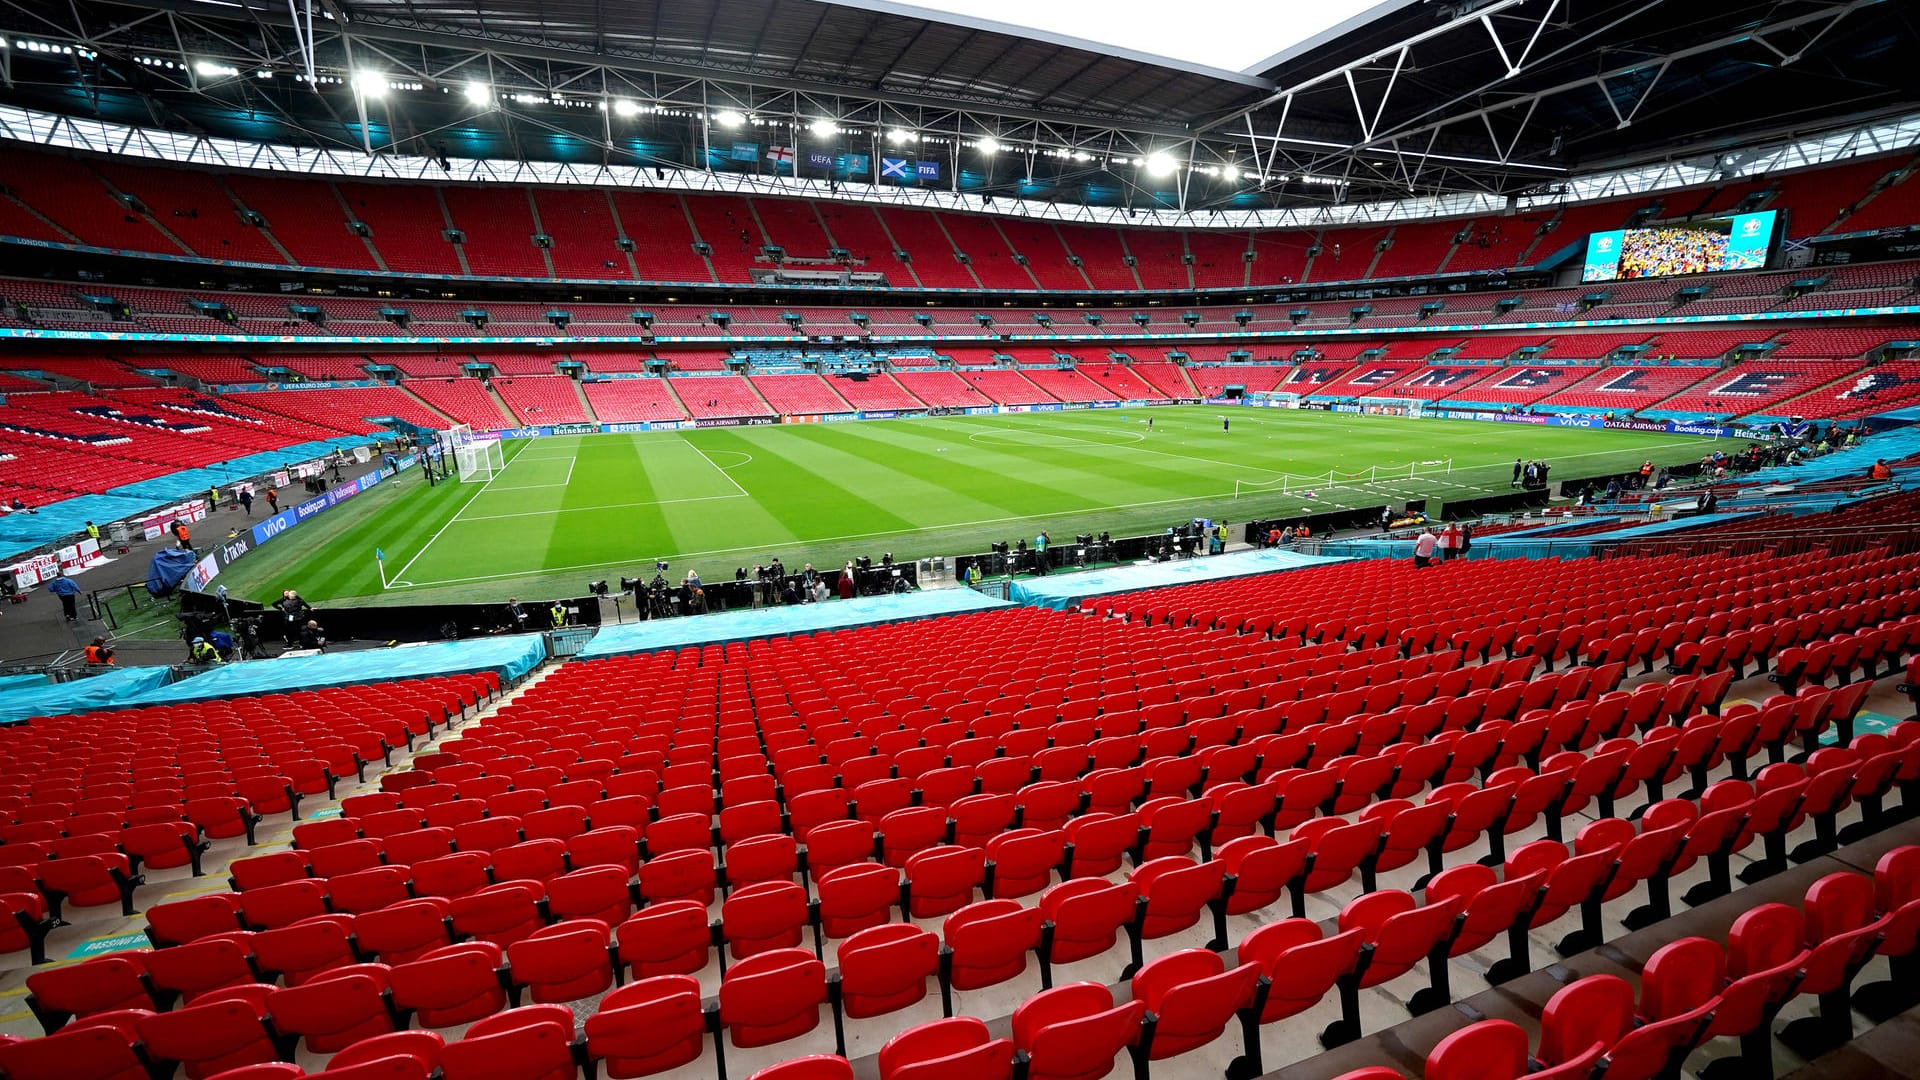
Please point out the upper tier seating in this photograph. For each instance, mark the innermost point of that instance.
(307, 218)
(70, 194)
(585, 241)
(195, 208)
(408, 223)
(626, 401)
(189, 212)
(662, 236)
(935, 262)
(727, 225)
(987, 251)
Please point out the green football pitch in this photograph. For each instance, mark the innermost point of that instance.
(567, 510)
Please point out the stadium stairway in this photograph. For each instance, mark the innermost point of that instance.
(586, 407)
(1290, 1045)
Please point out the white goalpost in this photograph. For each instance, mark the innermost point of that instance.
(476, 458)
(1386, 406)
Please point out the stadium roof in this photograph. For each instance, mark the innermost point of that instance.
(1408, 97)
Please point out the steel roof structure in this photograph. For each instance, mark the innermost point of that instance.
(1418, 97)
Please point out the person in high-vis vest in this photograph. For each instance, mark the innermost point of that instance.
(98, 653)
(559, 614)
(203, 653)
(213, 498)
(93, 532)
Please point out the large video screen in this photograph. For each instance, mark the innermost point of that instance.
(1740, 242)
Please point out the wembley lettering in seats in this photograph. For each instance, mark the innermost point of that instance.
(1526, 379)
(1630, 381)
(1378, 376)
(1752, 384)
(1443, 376)
(1873, 382)
(1314, 375)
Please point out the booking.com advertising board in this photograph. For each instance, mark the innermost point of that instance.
(294, 515)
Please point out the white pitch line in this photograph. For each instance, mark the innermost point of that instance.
(402, 572)
(716, 466)
(600, 506)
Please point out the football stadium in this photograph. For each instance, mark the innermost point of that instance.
(831, 539)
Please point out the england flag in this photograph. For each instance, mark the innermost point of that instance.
(780, 155)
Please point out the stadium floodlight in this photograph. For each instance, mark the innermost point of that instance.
(1082, 156)
(824, 128)
(209, 69)
(901, 135)
(988, 145)
(1161, 164)
(727, 118)
(1229, 172)
(370, 84)
(480, 93)
(625, 107)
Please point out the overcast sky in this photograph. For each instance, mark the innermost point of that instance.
(1229, 34)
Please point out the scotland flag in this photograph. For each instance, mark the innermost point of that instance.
(896, 169)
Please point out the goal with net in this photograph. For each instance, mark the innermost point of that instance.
(476, 456)
(1386, 406)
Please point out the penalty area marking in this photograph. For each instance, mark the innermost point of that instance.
(746, 458)
(572, 460)
(716, 465)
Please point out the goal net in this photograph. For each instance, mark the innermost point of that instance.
(1274, 399)
(476, 457)
(1385, 406)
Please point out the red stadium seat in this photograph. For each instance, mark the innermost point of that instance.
(564, 962)
(772, 997)
(959, 1048)
(532, 1043)
(1073, 1032)
(1191, 996)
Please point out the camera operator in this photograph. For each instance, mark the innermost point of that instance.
(294, 611)
(313, 636)
(659, 605)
